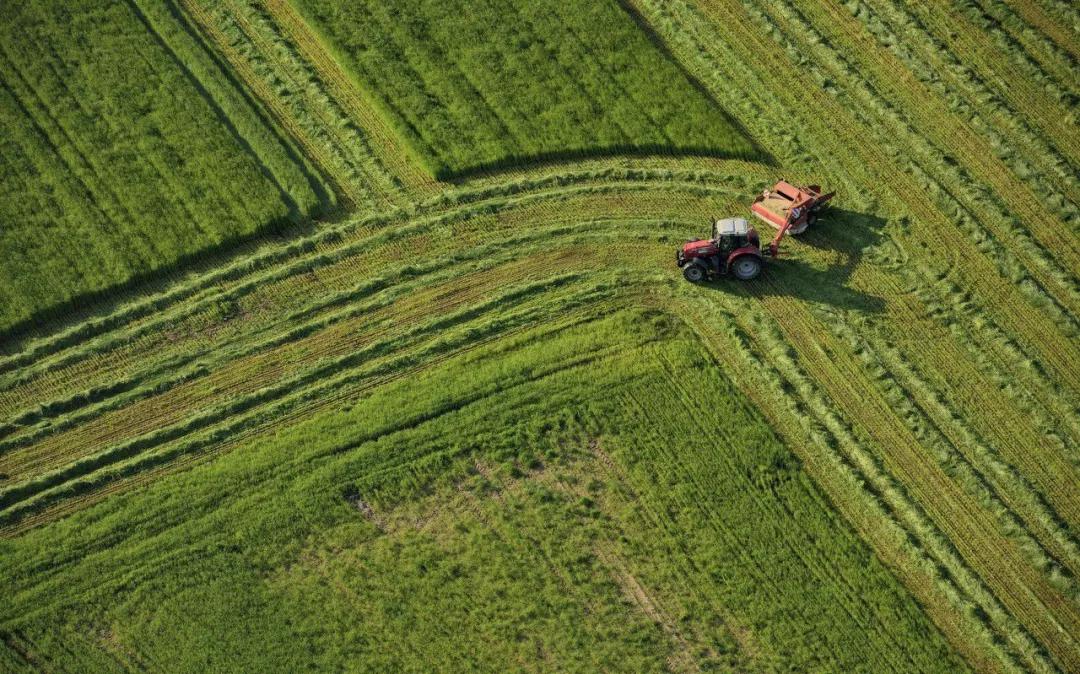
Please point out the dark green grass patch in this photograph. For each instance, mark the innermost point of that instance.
(125, 148)
(473, 85)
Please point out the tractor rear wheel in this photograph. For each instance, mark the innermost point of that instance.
(694, 273)
(746, 267)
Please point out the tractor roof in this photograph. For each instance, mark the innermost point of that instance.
(728, 226)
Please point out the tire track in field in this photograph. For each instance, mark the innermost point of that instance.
(1042, 510)
(964, 58)
(347, 139)
(100, 196)
(1042, 57)
(163, 43)
(678, 416)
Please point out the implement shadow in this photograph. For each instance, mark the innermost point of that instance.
(845, 232)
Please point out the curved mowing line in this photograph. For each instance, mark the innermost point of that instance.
(275, 250)
(297, 332)
(137, 386)
(302, 266)
(391, 294)
(114, 463)
(320, 253)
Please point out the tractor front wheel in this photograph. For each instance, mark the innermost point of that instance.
(694, 273)
(746, 267)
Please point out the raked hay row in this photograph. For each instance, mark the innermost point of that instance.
(339, 335)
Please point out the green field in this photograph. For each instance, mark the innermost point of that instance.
(126, 148)
(472, 85)
(511, 509)
(477, 421)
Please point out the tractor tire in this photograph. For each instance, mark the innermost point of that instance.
(746, 267)
(694, 273)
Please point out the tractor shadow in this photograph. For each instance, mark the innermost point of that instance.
(839, 233)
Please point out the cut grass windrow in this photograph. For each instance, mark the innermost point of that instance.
(292, 88)
(314, 262)
(330, 374)
(1048, 285)
(387, 145)
(161, 374)
(934, 237)
(526, 200)
(1026, 594)
(872, 500)
(963, 61)
(296, 349)
(36, 352)
(916, 349)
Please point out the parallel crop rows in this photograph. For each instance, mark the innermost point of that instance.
(916, 351)
(922, 337)
(183, 376)
(290, 87)
(475, 86)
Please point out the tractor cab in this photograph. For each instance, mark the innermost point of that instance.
(734, 248)
(732, 233)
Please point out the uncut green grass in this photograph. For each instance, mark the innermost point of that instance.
(498, 536)
(476, 85)
(125, 150)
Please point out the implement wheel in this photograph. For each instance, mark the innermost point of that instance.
(694, 273)
(746, 267)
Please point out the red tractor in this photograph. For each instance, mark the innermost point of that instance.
(735, 247)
